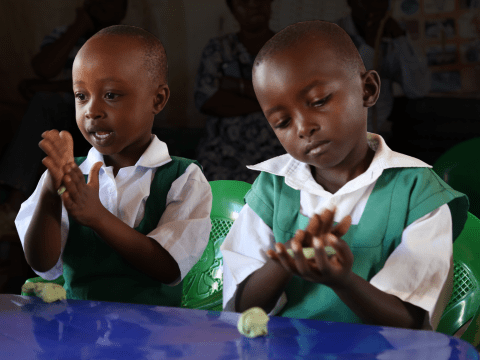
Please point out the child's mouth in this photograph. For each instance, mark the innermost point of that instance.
(102, 138)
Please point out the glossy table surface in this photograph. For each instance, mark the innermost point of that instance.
(73, 329)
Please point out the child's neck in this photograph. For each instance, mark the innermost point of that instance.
(128, 157)
(333, 180)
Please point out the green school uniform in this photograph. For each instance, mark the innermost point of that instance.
(94, 271)
(400, 196)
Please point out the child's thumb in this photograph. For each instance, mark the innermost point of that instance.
(93, 175)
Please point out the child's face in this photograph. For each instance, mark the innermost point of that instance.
(115, 99)
(316, 107)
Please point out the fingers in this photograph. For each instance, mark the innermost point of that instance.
(69, 181)
(280, 255)
(49, 144)
(343, 254)
(73, 181)
(54, 170)
(67, 143)
(314, 225)
(93, 174)
(342, 227)
(327, 220)
(58, 145)
(321, 257)
(301, 262)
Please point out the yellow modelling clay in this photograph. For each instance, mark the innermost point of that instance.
(253, 322)
(48, 292)
(309, 252)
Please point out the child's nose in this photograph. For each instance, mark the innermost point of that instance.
(93, 110)
(306, 128)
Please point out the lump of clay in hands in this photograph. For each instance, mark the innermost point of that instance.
(48, 292)
(309, 252)
(253, 322)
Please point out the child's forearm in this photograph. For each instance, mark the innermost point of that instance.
(43, 237)
(142, 252)
(262, 288)
(376, 307)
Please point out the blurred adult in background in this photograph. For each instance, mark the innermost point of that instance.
(237, 133)
(51, 101)
(397, 59)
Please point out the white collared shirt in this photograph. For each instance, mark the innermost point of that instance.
(425, 265)
(183, 229)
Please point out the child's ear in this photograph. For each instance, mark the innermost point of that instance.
(371, 88)
(162, 95)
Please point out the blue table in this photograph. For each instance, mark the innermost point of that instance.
(73, 329)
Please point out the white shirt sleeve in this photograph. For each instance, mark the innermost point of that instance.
(424, 259)
(244, 252)
(184, 228)
(408, 67)
(22, 221)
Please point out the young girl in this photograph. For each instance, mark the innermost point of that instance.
(142, 220)
(395, 219)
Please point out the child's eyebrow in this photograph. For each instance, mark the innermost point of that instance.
(302, 92)
(273, 110)
(109, 79)
(310, 86)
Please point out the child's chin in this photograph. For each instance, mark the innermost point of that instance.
(104, 150)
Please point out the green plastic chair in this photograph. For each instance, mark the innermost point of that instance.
(203, 285)
(460, 168)
(464, 304)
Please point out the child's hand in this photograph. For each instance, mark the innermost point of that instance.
(81, 199)
(331, 271)
(59, 150)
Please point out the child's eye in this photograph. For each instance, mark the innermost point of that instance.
(282, 123)
(80, 96)
(319, 103)
(111, 96)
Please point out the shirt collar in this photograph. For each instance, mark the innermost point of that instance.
(298, 175)
(156, 155)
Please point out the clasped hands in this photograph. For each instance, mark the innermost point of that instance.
(81, 199)
(334, 270)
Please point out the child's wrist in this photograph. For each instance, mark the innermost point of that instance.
(344, 284)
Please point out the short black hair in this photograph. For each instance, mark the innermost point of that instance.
(332, 35)
(154, 54)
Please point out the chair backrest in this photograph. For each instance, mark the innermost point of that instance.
(203, 285)
(464, 303)
(459, 166)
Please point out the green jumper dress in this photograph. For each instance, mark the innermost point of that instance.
(400, 196)
(94, 271)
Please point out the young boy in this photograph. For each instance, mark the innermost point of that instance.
(395, 219)
(139, 224)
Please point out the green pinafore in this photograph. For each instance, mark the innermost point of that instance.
(94, 271)
(400, 196)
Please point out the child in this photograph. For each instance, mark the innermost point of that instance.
(395, 219)
(135, 229)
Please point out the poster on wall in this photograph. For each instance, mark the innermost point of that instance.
(469, 24)
(446, 81)
(469, 4)
(435, 28)
(441, 55)
(438, 6)
(408, 7)
(470, 52)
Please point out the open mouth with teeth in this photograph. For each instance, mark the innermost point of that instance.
(102, 137)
